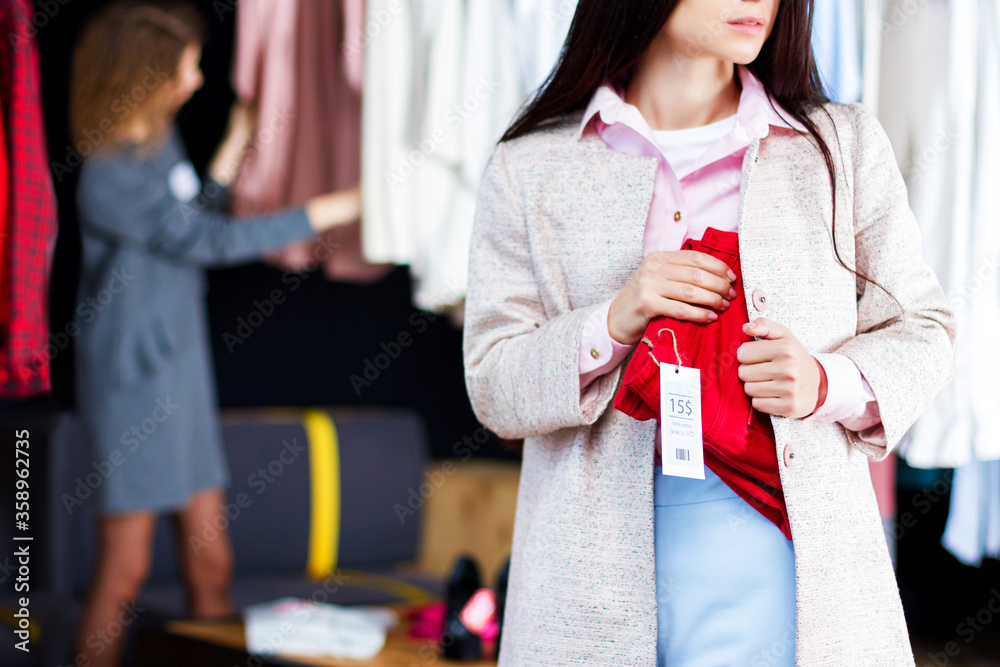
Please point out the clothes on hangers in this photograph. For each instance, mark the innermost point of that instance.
(847, 45)
(296, 62)
(939, 105)
(390, 83)
(972, 532)
(31, 212)
(4, 236)
(836, 41)
(871, 52)
(440, 89)
(540, 28)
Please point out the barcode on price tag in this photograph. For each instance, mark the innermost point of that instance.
(680, 422)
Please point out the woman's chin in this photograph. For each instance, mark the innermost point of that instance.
(739, 54)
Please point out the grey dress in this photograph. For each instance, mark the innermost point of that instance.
(144, 380)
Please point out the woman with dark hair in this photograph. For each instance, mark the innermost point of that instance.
(681, 170)
(144, 386)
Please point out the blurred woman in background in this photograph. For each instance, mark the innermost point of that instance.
(144, 385)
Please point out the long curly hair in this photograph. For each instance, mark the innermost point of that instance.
(124, 68)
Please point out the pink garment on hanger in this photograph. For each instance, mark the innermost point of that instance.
(294, 61)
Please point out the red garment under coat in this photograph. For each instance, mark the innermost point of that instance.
(739, 440)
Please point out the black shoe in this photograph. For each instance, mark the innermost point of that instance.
(501, 597)
(458, 642)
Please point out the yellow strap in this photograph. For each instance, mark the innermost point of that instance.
(324, 483)
(7, 618)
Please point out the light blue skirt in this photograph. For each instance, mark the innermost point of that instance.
(725, 579)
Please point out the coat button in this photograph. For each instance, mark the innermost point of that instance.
(759, 300)
(788, 456)
(677, 216)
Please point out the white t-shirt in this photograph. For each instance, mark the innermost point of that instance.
(682, 148)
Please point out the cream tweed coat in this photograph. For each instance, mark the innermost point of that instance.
(559, 229)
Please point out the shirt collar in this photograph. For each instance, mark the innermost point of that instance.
(755, 114)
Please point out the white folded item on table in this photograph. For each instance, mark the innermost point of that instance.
(303, 627)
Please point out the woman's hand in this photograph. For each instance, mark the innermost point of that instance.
(781, 377)
(684, 284)
(334, 208)
(228, 157)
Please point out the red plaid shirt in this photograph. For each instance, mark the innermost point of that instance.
(31, 210)
(4, 184)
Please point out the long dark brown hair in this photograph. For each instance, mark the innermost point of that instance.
(607, 39)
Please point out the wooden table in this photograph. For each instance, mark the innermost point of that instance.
(222, 643)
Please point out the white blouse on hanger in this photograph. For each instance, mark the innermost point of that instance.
(940, 104)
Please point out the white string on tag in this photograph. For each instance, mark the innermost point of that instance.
(677, 354)
(681, 441)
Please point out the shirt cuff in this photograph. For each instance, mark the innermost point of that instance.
(849, 398)
(599, 352)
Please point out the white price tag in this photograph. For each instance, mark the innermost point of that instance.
(681, 444)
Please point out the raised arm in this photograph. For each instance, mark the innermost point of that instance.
(124, 202)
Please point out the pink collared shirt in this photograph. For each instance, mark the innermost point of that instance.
(706, 195)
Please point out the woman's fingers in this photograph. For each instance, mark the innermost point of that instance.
(760, 372)
(687, 283)
(771, 406)
(694, 295)
(686, 312)
(702, 261)
(768, 389)
(684, 285)
(761, 351)
(765, 329)
(687, 268)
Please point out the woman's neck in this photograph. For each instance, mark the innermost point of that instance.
(138, 132)
(674, 91)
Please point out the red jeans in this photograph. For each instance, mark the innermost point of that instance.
(739, 441)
